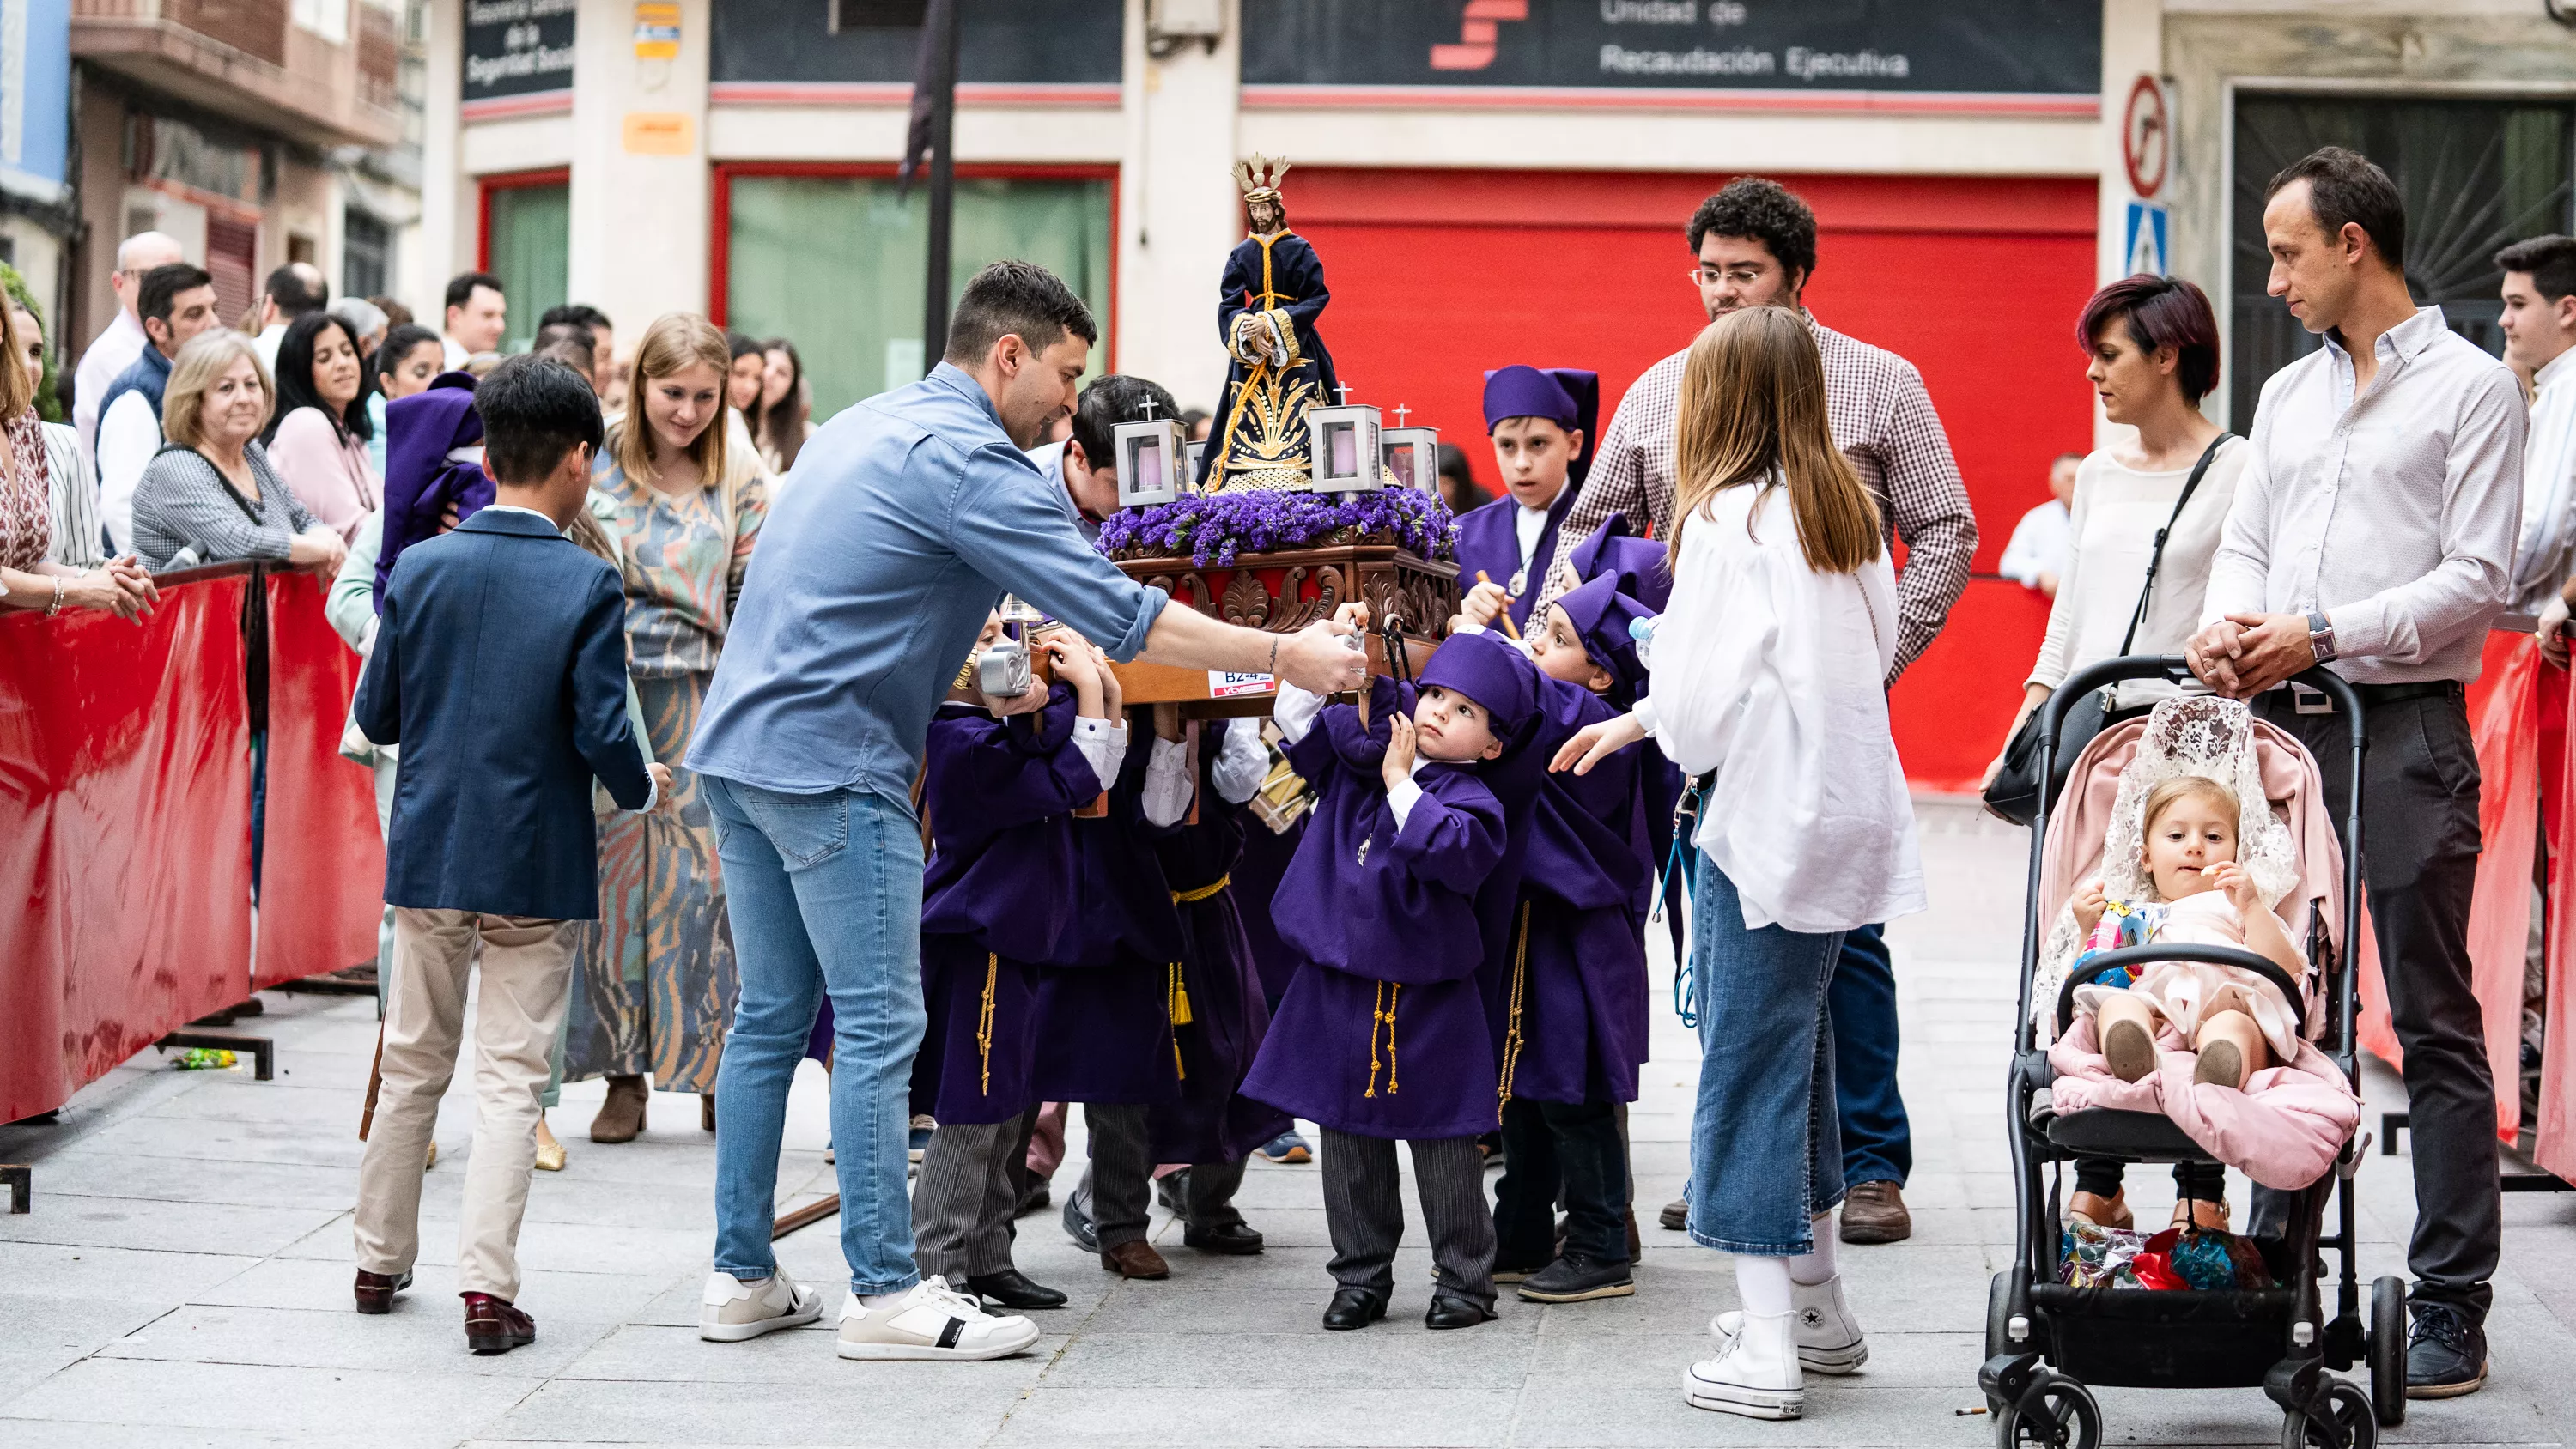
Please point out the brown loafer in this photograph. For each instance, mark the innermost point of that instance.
(493, 1326)
(1874, 1212)
(1135, 1259)
(376, 1290)
(621, 1117)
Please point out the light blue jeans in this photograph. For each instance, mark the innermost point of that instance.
(826, 898)
(1766, 1150)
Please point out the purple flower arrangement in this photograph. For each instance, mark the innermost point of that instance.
(1214, 529)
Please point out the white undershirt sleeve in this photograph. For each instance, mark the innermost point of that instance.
(1167, 781)
(1241, 764)
(1295, 710)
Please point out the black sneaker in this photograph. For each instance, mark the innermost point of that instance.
(2446, 1356)
(1576, 1278)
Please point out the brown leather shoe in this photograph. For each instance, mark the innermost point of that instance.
(1135, 1259)
(1874, 1212)
(493, 1326)
(376, 1290)
(621, 1117)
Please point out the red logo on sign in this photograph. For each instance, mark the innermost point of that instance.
(1477, 35)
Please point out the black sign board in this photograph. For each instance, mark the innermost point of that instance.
(1033, 42)
(1995, 46)
(517, 47)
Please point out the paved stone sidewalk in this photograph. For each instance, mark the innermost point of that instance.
(185, 1281)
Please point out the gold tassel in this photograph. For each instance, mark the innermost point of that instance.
(1394, 993)
(1180, 994)
(1520, 989)
(1176, 1006)
(1377, 1014)
(984, 1018)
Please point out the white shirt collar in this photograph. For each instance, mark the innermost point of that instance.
(515, 508)
(2556, 370)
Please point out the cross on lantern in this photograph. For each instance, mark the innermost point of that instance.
(1148, 406)
(1400, 411)
(1344, 389)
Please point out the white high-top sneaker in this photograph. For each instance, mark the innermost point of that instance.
(730, 1310)
(1755, 1373)
(1829, 1338)
(931, 1321)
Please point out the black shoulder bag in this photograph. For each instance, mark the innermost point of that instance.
(2014, 792)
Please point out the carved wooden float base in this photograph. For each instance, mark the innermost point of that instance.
(1283, 592)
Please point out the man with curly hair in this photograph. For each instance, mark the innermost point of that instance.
(1753, 244)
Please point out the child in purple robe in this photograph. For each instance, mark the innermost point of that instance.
(1541, 422)
(1000, 893)
(1383, 1033)
(1197, 779)
(1570, 1013)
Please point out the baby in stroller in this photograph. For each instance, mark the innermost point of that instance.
(2193, 853)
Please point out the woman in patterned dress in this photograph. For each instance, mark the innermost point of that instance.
(684, 504)
(33, 573)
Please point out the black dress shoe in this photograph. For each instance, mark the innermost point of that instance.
(1237, 1238)
(1450, 1311)
(1354, 1308)
(1079, 1226)
(1172, 1190)
(1676, 1215)
(1011, 1288)
(2446, 1355)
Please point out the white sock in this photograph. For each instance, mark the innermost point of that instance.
(1816, 1265)
(1762, 1285)
(880, 1300)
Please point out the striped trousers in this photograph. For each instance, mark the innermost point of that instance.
(1364, 1209)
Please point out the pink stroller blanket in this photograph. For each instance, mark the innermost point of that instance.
(2283, 1130)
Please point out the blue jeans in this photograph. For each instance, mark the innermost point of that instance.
(826, 898)
(1765, 1153)
(1878, 1146)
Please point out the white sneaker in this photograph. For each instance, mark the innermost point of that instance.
(731, 1310)
(1755, 1373)
(931, 1321)
(1829, 1338)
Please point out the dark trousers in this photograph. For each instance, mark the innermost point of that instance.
(2419, 860)
(1878, 1145)
(2198, 1181)
(1575, 1147)
(1364, 1209)
(1117, 1191)
(966, 1197)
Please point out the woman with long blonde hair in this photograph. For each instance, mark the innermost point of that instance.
(683, 503)
(1767, 688)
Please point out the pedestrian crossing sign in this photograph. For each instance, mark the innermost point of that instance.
(2146, 239)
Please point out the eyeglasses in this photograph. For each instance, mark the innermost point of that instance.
(1711, 276)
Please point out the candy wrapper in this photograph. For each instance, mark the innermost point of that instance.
(2204, 1258)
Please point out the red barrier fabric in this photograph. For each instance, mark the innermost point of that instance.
(322, 875)
(2554, 1147)
(124, 834)
(1952, 709)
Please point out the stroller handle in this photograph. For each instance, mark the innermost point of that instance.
(2102, 963)
(2347, 704)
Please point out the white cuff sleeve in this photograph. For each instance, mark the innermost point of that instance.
(1294, 709)
(1241, 764)
(1645, 713)
(1167, 781)
(1399, 801)
(652, 796)
(1103, 744)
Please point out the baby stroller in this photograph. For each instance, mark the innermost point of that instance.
(2046, 1341)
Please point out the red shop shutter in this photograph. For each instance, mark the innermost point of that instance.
(232, 254)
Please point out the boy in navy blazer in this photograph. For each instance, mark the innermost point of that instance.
(500, 668)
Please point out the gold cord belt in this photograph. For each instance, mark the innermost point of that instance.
(1383, 1013)
(984, 1019)
(1191, 898)
(1520, 990)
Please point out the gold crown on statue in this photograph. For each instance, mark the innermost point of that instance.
(1260, 177)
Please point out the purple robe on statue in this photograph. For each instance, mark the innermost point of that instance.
(1570, 1016)
(1383, 1032)
(1104, 1008)
(1213, 1121)
(1000, 892)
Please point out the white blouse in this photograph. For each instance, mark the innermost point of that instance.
(2117, 512)
(1771, 674)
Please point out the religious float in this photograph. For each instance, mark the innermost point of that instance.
(1299, 501)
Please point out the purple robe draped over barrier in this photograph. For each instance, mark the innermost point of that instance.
(1000, 893)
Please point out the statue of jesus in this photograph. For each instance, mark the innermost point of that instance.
(1267, 305)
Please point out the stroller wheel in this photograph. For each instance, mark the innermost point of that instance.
(2351, 1426)
(2068, 1418)
(2387, 1350)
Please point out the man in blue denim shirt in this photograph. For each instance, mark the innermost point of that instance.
(912, 513)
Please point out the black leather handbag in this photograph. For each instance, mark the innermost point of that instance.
(2014, 792)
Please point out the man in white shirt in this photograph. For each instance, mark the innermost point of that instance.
(2373, 531)
(2043, 540)
(2539, 335)
(177, 302)
(114, 349)
(293, 290)
(477, 315)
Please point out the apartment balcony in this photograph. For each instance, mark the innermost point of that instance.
(247, 60)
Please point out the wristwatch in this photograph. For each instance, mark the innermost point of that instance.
(2321, 636)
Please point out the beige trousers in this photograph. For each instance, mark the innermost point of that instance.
(527, 976)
